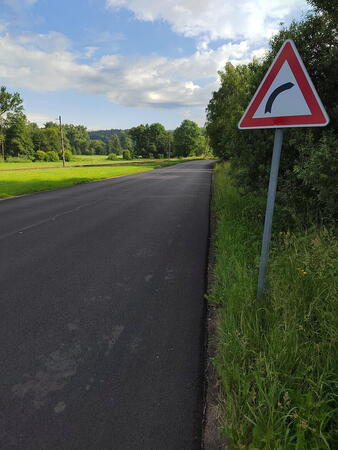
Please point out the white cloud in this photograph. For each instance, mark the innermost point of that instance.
(215, 19)
(110, 60)
(90, 51)
(3, 26)
(19, 4)
(43, 63)
(49, 42)
(39, 118)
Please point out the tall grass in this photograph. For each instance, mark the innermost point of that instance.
(277, 357)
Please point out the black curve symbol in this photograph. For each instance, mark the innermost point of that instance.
(273, 95)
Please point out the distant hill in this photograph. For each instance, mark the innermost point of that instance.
(104, 135)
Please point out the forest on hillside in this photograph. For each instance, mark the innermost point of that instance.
(24, 139)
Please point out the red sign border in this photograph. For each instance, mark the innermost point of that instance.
(318, 117)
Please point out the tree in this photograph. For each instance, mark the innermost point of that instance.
(158, 137)
(186, 138)
(140, 140)
(18, 140)
(104, 135)
(78, 138)
(97, 147)
(126, 141)
(326, 6)
(114, 145)
(49, 139)
(202, 146)
(8, 103)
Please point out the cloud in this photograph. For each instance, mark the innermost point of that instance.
(3, 26)
(215, 19)
(45, 63)
(39, 118)
(49, 42)
(90, 51)
(18, 5)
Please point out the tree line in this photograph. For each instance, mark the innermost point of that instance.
(21, 138)
(308, 173)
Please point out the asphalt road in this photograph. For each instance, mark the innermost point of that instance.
(102, 311)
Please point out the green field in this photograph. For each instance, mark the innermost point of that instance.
(24, 182)
(19, 163)
(277, 357)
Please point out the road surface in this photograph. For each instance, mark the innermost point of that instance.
(102, 310)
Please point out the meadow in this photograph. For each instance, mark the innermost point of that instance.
(13, 183)
(20, 163)
(276, 359)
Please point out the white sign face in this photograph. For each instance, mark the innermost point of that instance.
(287, 102)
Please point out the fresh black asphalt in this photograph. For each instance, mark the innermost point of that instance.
(102, 311)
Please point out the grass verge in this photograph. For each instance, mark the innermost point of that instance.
(276, 358)
(25, 182)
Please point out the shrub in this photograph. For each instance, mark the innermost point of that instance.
(317, 169)
(160, 156)
(126, 154)
(68, 155)
(151, 156)
(40, 155)
(112, 156)
(52, 156)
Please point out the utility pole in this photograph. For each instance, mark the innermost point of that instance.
(62, 144)
(2, 138)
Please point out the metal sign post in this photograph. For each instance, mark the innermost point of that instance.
(270, 204)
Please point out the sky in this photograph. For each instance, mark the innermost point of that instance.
(119, 63)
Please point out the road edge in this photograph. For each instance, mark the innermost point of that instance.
(212, 438)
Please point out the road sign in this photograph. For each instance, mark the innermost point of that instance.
(286, 97)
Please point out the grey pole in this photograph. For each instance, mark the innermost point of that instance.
(62, 145)
(277, 146)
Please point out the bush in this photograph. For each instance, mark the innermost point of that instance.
(160, 156)
(68, 155)
(317, 169)
(112, 156)
(52, 156)
(40, 155)
(126, 154)
(151, 156)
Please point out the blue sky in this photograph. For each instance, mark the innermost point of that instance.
(119, 63)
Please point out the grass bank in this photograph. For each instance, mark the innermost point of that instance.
(277, 357)
(25, 182)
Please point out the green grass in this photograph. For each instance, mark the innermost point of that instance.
(276, 357)
(20, 163)
(24, 182)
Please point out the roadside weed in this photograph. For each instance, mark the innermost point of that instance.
(277, 357)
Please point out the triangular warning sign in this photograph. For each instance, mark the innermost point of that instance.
(286, 97)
